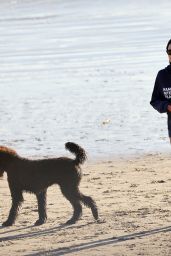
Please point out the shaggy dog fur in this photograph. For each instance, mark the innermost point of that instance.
(35, 176)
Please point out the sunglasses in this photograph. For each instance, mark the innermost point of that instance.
(168, 52)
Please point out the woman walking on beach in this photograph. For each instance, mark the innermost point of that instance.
(161, 96)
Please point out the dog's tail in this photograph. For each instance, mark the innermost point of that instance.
(78, 151)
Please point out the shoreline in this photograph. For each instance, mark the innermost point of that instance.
(125, 157)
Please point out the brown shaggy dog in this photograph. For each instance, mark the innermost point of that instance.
(35, 176)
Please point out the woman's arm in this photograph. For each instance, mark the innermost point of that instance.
(156, 100)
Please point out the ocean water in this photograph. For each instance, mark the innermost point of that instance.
(82, 71)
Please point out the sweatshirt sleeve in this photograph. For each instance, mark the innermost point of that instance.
(156, 100)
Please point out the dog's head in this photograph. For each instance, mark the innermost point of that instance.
(6, 156)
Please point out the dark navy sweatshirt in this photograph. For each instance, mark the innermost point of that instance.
(161, 96)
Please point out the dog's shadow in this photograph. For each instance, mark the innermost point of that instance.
(7, 231)
(42, 232)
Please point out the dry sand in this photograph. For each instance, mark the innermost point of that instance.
(133, 197)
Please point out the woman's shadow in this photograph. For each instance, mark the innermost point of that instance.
(83, 246)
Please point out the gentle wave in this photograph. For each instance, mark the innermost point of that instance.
(84, 72)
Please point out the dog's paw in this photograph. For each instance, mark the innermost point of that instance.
(7, 223)
(39, 222)
(70, 222)
(99, 221)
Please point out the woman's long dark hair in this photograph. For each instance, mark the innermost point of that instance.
(169, 42)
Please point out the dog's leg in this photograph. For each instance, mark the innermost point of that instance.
(77, 212)
(72, 196)
(17, 200)
(89, 202)
(41, 199)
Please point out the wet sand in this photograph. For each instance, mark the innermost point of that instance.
(133, 197)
